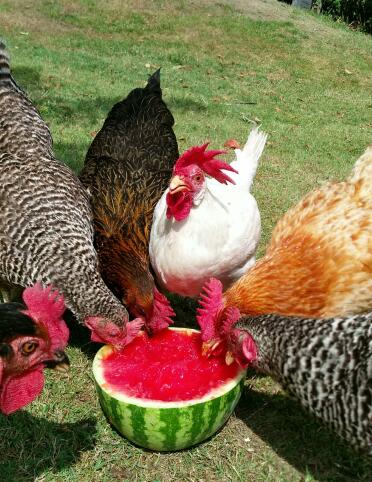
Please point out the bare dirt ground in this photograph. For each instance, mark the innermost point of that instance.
(273, 10)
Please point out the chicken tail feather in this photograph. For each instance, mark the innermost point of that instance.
(5, 72)
(247, 158)
(154, 82)
(361, 177)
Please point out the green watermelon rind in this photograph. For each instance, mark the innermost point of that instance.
(166, 426)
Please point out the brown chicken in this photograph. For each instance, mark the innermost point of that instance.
(127, 168)
(318, 262)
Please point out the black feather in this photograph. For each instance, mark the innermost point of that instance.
(153, 83)
(13, 322)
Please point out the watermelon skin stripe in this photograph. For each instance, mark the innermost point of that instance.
(170, 436)
(161, 429)
(138, 423)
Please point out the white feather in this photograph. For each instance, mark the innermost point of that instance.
(247, 159)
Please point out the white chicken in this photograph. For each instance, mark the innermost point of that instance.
(204, 227)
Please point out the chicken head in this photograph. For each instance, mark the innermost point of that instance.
(35, 341)
(187, 185)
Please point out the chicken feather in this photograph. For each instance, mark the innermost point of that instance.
(319, 259)
(317, 264)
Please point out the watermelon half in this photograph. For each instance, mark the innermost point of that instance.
(162, 394)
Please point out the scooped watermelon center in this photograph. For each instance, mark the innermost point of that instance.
(166, 367)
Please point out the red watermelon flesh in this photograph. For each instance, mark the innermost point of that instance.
(166, 367)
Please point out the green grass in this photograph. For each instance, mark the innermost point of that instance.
(308, 82)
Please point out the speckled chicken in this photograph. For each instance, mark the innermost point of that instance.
(326, 364)
(46, 231)
(127, 168)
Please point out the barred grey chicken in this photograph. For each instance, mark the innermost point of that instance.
(46, 231)
(326, 364)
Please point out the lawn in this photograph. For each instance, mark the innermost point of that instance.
(225, 67)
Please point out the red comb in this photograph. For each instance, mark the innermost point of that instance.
(162, 313)
(206, 161)
(44, 302)
(210, 306)
(230, 316)
(46, 306)
(108, 332)
(133, 328)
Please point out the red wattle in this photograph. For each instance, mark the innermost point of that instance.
(21, 390)
(179, 205)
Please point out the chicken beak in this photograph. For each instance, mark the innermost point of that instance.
(208, 347)
(177, 184)
(229, 359)
(62, 367)
(60, 364)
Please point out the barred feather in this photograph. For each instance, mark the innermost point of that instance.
(325, 363)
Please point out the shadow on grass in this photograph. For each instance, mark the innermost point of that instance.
(185, 309)
(185, 104)
(86, 106)
(84, 111)
(300, 439)
(26, 77)
(48, 97)
(30, 446)
(72, 153)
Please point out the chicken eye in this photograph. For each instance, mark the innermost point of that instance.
(29, 347)
(198, 177)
